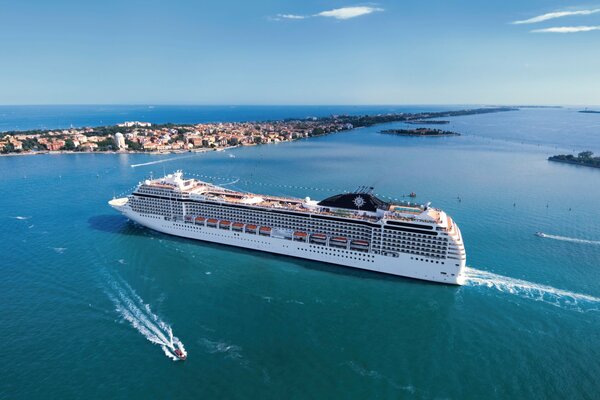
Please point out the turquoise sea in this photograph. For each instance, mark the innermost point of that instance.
(86, 295)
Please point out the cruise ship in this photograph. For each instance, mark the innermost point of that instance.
(356, 229)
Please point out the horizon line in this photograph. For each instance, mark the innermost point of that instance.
(298, 104)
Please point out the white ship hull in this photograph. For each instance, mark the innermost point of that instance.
(403, 265)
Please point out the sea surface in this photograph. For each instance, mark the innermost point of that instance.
(88, 297)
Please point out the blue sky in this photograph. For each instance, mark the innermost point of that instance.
(299, 52)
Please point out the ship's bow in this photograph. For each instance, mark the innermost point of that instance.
(119, 204)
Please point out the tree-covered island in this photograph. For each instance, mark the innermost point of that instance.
(420, 132)
(585, 158)
(429, 122)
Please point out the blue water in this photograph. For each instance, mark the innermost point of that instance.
(526, 325)
(51, 117)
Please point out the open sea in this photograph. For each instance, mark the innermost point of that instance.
(87, 297)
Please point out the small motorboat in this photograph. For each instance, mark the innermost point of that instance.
(180, 354)
(540, 234)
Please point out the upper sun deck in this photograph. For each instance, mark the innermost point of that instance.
(174, 184)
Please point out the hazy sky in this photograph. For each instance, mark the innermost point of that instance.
(299, 52)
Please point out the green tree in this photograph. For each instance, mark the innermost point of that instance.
(69, 145)
(133, 145)
(8, 148)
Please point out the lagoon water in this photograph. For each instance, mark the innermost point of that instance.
(86, 294)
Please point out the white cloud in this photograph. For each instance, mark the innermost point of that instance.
(348, 12)
(291, 16)
(567, 29)
(337, 13)
(556, 14)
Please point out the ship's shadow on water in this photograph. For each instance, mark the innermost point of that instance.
(118, 224)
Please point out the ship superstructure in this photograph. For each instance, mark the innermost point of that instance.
(351, 229)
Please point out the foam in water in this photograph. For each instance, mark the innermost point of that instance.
(528, 290)
(362, 371)
(230, 183)
(569, 239)
(21, 218)
(139, 314)
(219, 347)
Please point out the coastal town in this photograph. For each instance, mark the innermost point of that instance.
(136, 136)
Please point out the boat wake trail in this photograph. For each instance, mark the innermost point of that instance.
(569, 239)
(162, 161)
(533, 291)
(139, 314)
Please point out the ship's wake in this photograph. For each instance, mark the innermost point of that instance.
(139, 314)
(533, 291)
(569, 239)
(164, 160)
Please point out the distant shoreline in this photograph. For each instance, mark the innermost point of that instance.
(146, 138)
(574, 163)
(585, 159)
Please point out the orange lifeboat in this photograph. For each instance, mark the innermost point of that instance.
(300, 235)
(200, 219)
(237, 226)
(212, 222)
(318, 238)
(338, 241)
(265, 230)
(361, 245)
(251, 228)
(224, 224)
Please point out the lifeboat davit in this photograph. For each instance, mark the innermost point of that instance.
(180, 354)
